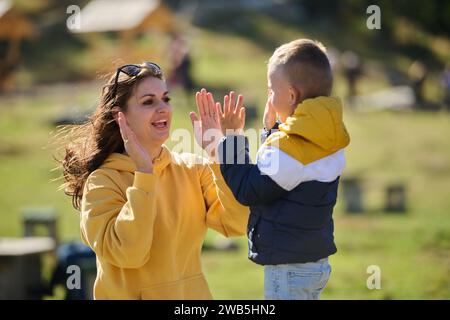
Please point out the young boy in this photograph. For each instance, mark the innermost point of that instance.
(292, 189)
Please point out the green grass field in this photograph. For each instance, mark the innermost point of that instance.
(412, 250)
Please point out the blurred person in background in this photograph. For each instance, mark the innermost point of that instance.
(181, 64)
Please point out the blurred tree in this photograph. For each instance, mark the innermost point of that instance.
(432, 16)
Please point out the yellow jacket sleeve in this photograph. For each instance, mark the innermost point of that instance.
(224, 213)
(118, 227)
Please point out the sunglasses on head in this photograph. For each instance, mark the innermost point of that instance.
(133, 70)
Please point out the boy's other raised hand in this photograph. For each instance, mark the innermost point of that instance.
(232, 117)
(270, 116)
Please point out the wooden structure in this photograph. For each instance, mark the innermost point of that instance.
(14, 28)
(353, 195)
(40, 218)
(21, 267)
(128, 18)
(395, 198)
(126, 22)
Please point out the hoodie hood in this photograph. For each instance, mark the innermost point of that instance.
(122, 162)
(315, 130)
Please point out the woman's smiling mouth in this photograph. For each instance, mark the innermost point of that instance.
(160, 124)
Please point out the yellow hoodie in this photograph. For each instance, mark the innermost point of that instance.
(315, 130)
(147, 230)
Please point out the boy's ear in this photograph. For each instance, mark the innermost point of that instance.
(294, 95)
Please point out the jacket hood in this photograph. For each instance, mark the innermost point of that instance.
(319, 120)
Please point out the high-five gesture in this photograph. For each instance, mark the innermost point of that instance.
(213, 121)
(233, 115)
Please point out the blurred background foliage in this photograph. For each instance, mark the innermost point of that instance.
(58, 74)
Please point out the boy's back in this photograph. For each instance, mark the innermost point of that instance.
(293, 194)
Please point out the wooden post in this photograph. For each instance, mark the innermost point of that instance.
(21, 267)
(353, 195)
(395, 198)
(45, 217)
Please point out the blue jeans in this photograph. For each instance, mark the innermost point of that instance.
(296, 281)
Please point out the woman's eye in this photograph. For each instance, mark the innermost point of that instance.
(148, 102)
(166, 99)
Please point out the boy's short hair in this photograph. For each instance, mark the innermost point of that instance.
(306, 65)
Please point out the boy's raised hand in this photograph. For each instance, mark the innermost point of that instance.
(232, 117)
(270, 116)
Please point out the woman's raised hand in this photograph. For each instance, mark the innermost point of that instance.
(134, 149)
(206, 125)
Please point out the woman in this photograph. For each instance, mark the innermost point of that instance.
(144, 209)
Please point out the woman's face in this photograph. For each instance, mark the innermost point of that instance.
(149, 112)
